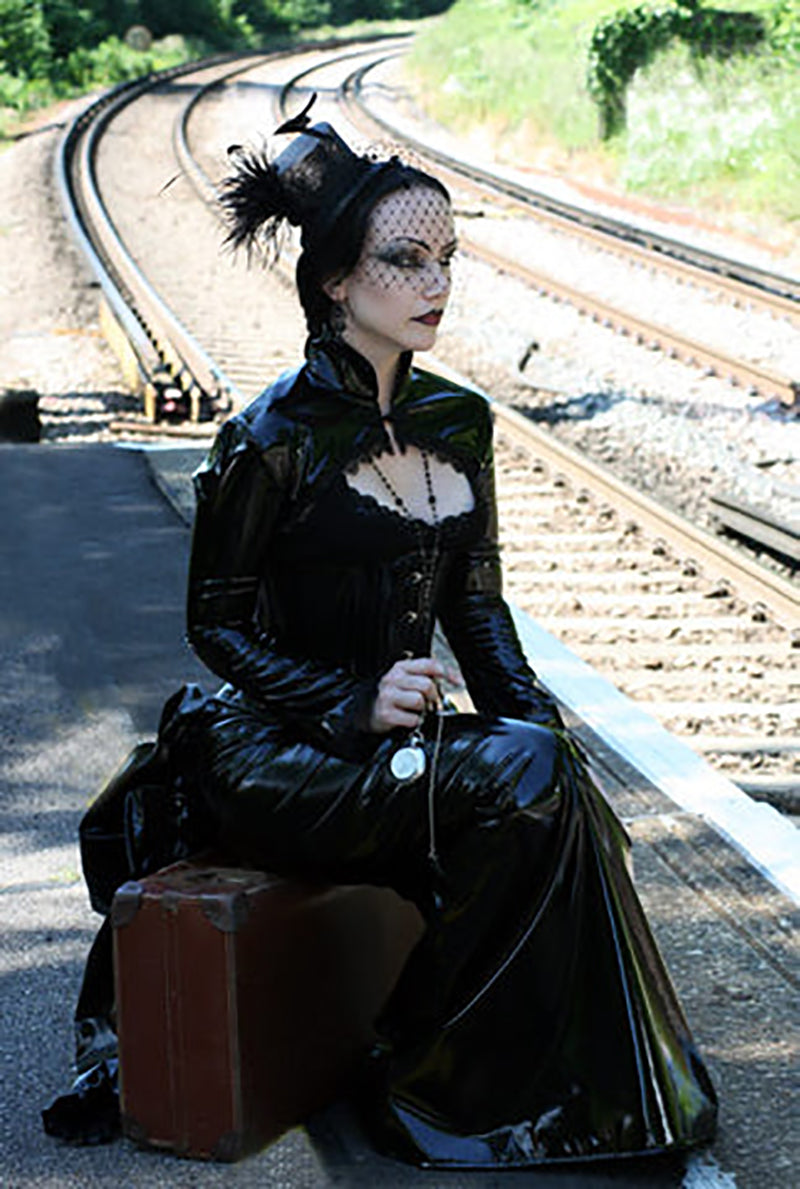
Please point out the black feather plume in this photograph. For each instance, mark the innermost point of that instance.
(253, 200)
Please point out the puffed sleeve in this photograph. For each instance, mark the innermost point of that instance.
(478, 625)
(242, 491)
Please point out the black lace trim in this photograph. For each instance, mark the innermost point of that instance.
(448, 527)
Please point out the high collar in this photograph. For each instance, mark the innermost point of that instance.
(332, 363)
(334, 396)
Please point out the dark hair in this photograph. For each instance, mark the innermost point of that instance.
(331, 249)
(320, 185)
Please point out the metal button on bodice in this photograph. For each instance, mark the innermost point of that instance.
(415, 578)
(411, 617)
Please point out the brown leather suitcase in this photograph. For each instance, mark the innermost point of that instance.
(244, 1001)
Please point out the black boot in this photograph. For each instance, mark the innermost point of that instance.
(89, 1114)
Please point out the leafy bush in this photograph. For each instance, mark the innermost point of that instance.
(783, 32)
(345, 11)
(12, 91)
(631, 39)
(112, 62)
(211, 19)
(717, 131)
(700, 129)
(718, 32)
(25, 47)
(265, 16)
(70, 26)
(619, 47)
(54, 48)
(303, 14)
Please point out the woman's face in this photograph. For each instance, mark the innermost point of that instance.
(395, 296)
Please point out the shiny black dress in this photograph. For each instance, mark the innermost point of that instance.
(534, 1021)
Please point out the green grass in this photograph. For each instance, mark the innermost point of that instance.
(725, 129)
(708, 131)
(492, 60)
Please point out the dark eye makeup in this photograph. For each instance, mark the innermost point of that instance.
(401, 258)
(404, 257)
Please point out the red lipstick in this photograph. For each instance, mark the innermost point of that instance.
(432, 318)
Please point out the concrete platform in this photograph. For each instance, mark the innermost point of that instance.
(92, 575)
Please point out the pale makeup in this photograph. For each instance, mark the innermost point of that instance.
(394, 298)
(393, 302)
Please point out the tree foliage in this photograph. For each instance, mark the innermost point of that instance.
(630, 40)
(50, 48)
(25, 48)
(71, 25)
(39, 37)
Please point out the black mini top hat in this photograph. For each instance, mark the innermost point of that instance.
(309, 184)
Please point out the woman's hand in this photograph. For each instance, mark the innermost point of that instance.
(405, 693)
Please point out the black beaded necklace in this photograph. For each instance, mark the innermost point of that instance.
(429, 557)
(400, 503)
(408, 763)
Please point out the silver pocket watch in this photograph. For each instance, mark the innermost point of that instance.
(408, 762)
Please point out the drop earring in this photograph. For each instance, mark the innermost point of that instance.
(336, 319)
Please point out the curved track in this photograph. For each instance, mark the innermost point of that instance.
(708, 641)
(773, 296)
(748, 282)
(738, 282)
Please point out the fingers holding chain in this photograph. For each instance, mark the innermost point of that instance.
(406, 693)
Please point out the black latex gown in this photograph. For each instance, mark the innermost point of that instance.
(535, 1019)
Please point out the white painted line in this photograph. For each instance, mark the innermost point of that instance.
(165, 444)
(703, 1172)
(770, 842)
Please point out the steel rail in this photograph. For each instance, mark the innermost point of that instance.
(171, 343)
(160, 344)
(292, 83)
(756, 584)
(145, 355)
(203, 184)
(749, 276)
(759, 525)
(757, 379)
(658, 522)
(759, 585)
(190, 367)
(159, 340)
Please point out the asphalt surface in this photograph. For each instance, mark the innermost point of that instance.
(92, 576)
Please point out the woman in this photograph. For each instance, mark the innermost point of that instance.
(338, 517)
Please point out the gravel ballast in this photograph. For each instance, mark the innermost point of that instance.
(51, 344)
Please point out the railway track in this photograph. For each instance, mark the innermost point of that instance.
(752, 287)
(670, 617)
(772, 294)
(706, 640)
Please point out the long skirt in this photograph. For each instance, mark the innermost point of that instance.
(535, 1020)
